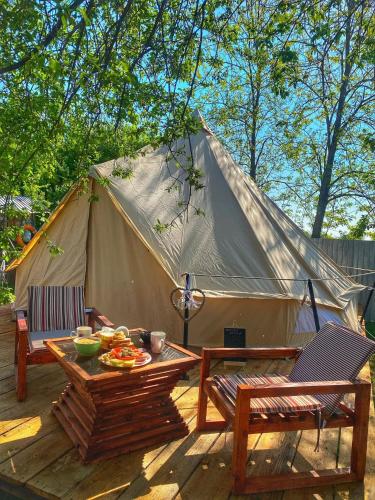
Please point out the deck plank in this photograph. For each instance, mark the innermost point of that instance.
(102, 474)
(34, 458)
(34, 451)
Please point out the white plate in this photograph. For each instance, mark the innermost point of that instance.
(136, 364)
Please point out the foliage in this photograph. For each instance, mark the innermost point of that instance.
(287, 84)
(6, 295)
(82, 82)
(295, 104)
(246, 88)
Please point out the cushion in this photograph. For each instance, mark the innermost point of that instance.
(280, 404)
(53, 308)
(335, 353)
(36, 338)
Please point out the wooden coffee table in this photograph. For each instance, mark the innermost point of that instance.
(107, 411)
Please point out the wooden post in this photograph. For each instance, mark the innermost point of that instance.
(313, 305)
(21, 367)
(202, 398)
(240, 435)
(360, 429)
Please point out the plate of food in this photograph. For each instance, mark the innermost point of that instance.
(125, 357)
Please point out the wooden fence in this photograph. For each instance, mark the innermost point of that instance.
(354, 254)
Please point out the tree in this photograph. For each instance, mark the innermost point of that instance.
(292, 97)
(247, 83)
(74, 75)
(332, 112)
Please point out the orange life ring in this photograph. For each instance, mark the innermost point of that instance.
(19, 239)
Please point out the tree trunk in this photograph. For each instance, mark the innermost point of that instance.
(254, 125)
(325, 185)
(253, 165)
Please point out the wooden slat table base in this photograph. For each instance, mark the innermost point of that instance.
(102, 434)
(110, 412)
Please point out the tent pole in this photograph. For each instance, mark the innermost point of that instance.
(367, 303)
(186, 312)
(313, 305)
(185, 376)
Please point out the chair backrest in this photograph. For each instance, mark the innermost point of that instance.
(55, 308)
(335, 353)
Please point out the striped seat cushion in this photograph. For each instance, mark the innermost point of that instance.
(55, 308)
(280, 404)
(335, 353)
(36, 339)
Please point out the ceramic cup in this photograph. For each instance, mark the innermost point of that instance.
(157, 341)
(82, 331)
(106, 336)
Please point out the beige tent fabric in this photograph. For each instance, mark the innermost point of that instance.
(68, 231)
(124, 280)
(129, 269)
(267, 322)
(243, 233)
(126, 283)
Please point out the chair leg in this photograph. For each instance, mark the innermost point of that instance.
(16, 347)
(21, 368)
(240, 435)
(202, 410)
(360, 430)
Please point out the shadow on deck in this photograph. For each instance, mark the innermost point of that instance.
(36, 455)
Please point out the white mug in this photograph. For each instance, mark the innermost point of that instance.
(157, 341)
(82, 331)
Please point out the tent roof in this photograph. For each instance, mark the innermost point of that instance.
(242, 232)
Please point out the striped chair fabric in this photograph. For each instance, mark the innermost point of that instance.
(283, 404)
(335, 353)
(52, 308)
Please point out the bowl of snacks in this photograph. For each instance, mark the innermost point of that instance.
(87, 346)
(125, 357)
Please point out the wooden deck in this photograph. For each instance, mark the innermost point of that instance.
(37, 458)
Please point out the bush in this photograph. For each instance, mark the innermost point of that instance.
(6, 295)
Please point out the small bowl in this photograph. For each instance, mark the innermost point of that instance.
(87, 349)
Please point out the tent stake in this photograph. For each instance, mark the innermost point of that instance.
(313, 305)
(367, 303)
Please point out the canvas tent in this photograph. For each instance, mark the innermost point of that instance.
(128, 269)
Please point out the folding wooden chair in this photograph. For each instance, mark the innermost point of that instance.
(53, 312)
(325, 370)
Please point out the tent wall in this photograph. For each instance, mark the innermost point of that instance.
(267, 321)
(129, 285)
(69, 232)
(125, 281)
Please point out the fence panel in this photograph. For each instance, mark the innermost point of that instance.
(354, 253)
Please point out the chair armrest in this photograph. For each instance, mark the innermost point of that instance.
(300, 388)
(97, 317)
(250, 352)
(21, 322)
(209, 353)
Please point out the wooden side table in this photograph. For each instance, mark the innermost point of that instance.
(106, 411)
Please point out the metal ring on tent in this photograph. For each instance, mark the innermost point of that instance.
(179, 306)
